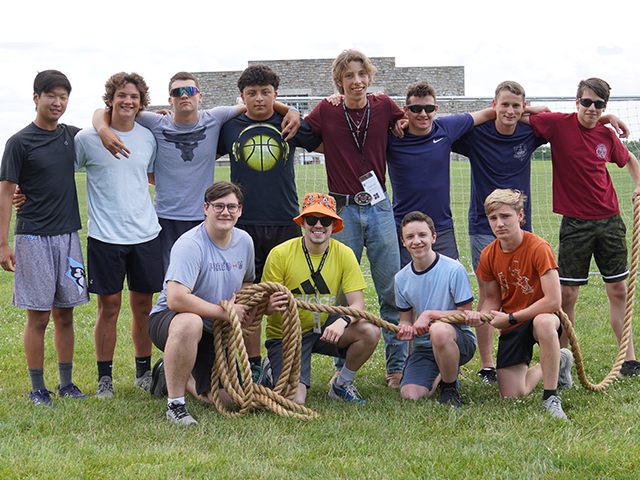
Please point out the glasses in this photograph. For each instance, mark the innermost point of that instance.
(232, 208)
(324, 221)
(178, 92)
(587, 102)
(419, 108)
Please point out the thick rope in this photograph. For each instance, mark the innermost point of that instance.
(229, 344)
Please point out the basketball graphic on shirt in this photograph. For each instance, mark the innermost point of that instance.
(261, 147)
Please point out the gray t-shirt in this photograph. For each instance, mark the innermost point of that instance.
(119, 205)
(186, 160)
(210, 272)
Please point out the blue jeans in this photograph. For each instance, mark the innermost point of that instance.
(373, 227)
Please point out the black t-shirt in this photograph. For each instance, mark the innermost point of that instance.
(42, 163)
(263, 164)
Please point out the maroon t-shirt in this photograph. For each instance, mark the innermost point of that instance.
(343, 160)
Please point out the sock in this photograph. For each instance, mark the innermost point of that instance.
(255, 360)
(37, 379)
(179, 400)
(65, 370)
(444, 385)
(105, 369)
(143, 365)
(346, 376)
(547, 393)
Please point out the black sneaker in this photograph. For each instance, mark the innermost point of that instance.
(489, 376)
(450, 397)
(630, 368)
(158, 381)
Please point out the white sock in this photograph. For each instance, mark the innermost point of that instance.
(179, 400)
(346, 376)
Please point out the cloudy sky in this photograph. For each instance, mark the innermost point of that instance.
(546, 45)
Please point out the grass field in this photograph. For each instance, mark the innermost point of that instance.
(387, 438)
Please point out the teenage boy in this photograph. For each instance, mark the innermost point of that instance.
(209, 263)
(262, 164)
(523, 294)
(123, 227)
(583, 194)
(432, 286)
(315, 268)
(355, 143)
(49, 273)
(419, 164)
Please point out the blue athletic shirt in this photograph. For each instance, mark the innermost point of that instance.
(419, 169)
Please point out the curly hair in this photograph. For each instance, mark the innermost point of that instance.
(120, 79)
(420, 90)
(258, 75)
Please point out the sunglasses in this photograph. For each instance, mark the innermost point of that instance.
(419, 108)
(178, 92)
(587, 102)
(324, 221)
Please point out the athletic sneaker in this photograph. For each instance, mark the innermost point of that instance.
(71, 391)
(256, 370)
(105, 387)
(450, 397)
(630, 368)
(489, 376)
(158, 380)
(42, 397)
(345, 392)
(266, 374)
(177, 413)
(564, 374)
(144, 382)
(553, 406)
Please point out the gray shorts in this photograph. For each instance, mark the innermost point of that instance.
(478, 243)
(422, 369)
(49, 272)
(311, 343)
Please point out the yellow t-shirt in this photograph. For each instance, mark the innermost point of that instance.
(287, 265)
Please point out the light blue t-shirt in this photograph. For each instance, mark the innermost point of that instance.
(119, 204)
(443, 286)
(186, 161)
(209, 271)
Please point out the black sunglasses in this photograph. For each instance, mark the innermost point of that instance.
(324, 221)
(587, 102)
(419, 108)
(178, 92)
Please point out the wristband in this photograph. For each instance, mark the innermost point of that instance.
(512, 320)
(295, 109)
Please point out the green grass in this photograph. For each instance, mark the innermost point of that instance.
(489, 437)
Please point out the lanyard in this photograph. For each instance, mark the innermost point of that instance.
(318, 282)
(353, 133)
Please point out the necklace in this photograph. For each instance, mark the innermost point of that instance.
(357, 124)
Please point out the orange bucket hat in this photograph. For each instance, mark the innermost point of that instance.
(321, 204)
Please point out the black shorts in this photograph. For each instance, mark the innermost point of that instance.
(171, 231)
(109, 263)
(158, 325)
(605, 239)
(265, 237)
(515, 346)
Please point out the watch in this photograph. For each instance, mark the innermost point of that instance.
(347, 319)
(512, 320)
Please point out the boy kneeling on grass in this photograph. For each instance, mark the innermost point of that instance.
(432, 286)
(523, 292)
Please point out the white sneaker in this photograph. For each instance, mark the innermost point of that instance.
(564, 374)
(553, 406)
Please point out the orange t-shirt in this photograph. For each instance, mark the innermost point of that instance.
(518, 272)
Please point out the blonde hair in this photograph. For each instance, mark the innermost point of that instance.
(499, 197)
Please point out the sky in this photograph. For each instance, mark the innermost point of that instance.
(546, 45)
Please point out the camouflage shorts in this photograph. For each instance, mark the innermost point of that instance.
(605, 239)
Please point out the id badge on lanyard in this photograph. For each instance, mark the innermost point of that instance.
(372, 186)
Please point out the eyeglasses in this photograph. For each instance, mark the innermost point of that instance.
(232, 208)
(178, 92)
(419, 108)
(587, 102)
(324, 221)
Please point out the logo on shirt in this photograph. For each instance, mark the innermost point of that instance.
(601, 151)
(436, 140)
(519, 280)
(261, 147)
(186, 142)
(225, 266)
(520, 152)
